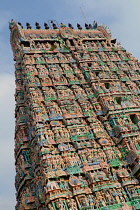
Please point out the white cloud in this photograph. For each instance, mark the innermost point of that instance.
(7, 169)
(7, 105)
(6, 203)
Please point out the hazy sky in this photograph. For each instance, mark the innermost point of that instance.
(122, 17)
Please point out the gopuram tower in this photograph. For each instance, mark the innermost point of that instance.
(77, 133)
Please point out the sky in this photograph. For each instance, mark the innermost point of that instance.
(121, 16)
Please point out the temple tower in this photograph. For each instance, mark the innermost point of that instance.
(77, 133)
